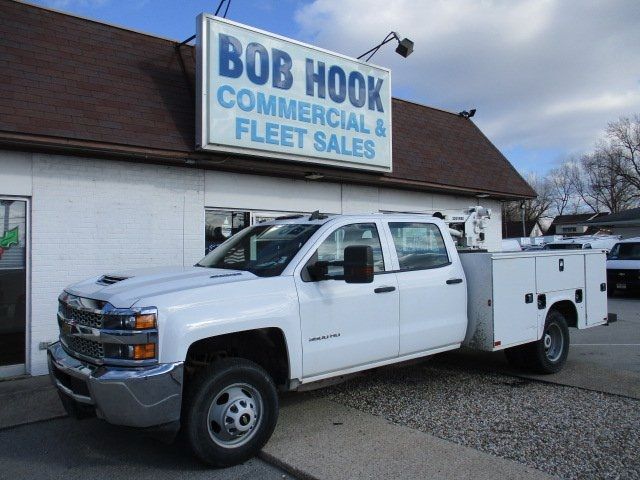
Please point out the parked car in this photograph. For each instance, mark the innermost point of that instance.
(586, 242)
(623, 267)
(290, 302)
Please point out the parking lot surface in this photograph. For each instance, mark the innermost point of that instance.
(616, 346)
(564, 431)
(581, 423)
(93, 450)
(473, 398)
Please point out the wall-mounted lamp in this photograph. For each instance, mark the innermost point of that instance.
(482, 195)
(313, 176)
(404, 48)
(469, 114)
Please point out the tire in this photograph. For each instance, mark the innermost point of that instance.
(516, 356)
(549, 354)
(230, 412)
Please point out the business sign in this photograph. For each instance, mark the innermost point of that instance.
(266, 95)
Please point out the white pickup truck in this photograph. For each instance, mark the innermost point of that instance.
(299, 300)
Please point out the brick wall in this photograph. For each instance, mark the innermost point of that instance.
(93, 216)
(90, 217)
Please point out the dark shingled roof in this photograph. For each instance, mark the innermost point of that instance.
(625, 217)
(79, 86)
(575, 219)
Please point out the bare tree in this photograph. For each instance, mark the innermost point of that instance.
(582, 185)
(561, 189)
(624, 143)
(534, 208)
(608, 189)
(597, 180)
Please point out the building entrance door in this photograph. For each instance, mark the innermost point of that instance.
(13, 285)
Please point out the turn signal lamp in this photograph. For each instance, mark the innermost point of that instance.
(145, 320)
(144, 351)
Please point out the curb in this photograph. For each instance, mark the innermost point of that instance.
(291, 470)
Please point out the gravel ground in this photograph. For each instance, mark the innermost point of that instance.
(564, 431)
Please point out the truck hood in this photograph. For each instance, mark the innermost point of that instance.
(623, 264)
(130, 286)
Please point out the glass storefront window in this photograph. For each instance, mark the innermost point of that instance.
(13, 241)
(221, 224)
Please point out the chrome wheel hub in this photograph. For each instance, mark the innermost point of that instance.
(234, 415)
(553, 341)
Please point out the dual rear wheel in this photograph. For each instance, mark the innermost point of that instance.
(547, 355)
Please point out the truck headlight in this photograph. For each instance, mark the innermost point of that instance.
(131, 319)
(142, 351)
(141, 321)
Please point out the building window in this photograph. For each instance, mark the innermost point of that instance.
(13, 281)
(221, 224)
(419, 245)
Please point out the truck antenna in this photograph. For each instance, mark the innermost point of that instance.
(317, 215)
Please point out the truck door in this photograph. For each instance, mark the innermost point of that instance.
(347, 325)
(433, 294)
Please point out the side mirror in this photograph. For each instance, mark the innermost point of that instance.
(319, 270)
(358, 264)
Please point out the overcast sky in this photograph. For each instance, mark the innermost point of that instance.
(545, 75)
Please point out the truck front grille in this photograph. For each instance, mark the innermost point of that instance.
(82, 317)
(83, 346)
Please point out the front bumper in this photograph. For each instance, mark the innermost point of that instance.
(135, 397)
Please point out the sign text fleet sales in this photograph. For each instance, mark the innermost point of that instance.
(261, 94)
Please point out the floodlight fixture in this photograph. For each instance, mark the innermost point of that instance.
(404, 48)
(469, 114)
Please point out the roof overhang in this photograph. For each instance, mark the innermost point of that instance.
(231, 163)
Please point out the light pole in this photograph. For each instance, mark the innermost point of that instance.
(524, 228)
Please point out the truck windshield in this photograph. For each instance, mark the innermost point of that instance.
(625, 251)
(264, 250)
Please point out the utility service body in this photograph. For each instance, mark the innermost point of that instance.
(268, 94)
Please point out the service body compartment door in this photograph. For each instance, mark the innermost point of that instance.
(514, 301)
(595, 271)
(559, 272)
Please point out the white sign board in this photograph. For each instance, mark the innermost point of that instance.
(265, 95)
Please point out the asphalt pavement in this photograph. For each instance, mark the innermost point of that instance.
(69, 449)
(616, 346)
(315, 438)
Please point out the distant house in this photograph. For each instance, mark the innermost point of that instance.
(625, 223)
(573, 225)
(514, 229)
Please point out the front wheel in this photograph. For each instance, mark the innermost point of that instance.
(230, 412)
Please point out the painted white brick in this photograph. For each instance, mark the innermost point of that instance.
(93, 216)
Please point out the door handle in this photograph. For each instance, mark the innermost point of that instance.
(384, 289)
(453, 281)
